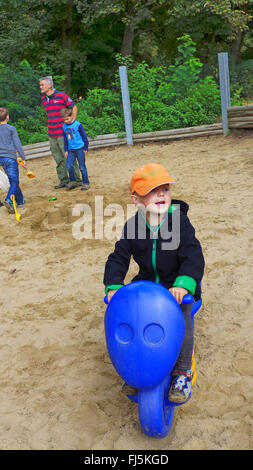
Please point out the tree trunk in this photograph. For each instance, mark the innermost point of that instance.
(236, 47)
(128, 38)
(67, 41)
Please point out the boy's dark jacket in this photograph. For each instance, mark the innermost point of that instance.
(165, 266)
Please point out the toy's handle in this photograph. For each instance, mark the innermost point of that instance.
(187, 299)
(20, 161)
(18, 216)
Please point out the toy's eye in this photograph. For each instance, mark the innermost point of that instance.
(124, 333)
(154, 334)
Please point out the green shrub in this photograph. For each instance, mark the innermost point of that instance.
(161, 98)
(101, 112)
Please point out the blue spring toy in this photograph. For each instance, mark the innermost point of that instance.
(144, 330)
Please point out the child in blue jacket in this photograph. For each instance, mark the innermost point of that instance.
(76, 147)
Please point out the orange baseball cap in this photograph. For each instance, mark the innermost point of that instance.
(148, 177)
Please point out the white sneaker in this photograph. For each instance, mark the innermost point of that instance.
(180, 389)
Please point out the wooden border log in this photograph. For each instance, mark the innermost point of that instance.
(39, 155)
(114, 140)
(102, 144)
(242, 108)
(241, 119)
(37, 150)
(178, 136)
(42, 149)
(237, 114)
(183, 130)
(37, 145)
(241, 125)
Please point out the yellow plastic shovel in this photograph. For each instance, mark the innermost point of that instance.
(193, 369)
(18, 216)
(30, 174)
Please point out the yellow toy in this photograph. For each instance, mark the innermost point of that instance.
(18, 216)
(30, 174)
(193, 369)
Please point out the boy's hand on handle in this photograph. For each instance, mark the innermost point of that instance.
(178, 293)
(22, 162)
(66, 154)
(110, 294)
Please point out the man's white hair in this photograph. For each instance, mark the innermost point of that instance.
(48, 79)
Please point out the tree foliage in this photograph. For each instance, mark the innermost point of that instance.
(161, 98)
(79, 38)
(169, 46)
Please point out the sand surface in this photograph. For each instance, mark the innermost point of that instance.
(58, 388)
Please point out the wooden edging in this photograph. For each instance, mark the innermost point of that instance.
(240, 117)
(42, 149)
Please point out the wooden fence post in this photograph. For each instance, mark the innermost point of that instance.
(126, 104)
(224, 88)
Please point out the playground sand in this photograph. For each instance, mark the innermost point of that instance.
(58, 388)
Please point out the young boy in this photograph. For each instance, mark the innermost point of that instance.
(76, 146)
(147, 237)
(9, 145)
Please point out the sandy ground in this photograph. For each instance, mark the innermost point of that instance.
(58, 388)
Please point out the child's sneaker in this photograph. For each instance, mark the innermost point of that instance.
(85, 187)
(9, 207)
(180, 389)
(71, 185)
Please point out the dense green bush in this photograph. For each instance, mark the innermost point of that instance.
(33, 128)
(173, 97)
(101, 112)
(161, 98)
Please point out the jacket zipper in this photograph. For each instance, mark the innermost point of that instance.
(157, 279)
(154, 266)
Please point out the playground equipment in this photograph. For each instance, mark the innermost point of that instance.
(30, 174)
(144, 330)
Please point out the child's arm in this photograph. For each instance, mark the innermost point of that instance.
(191, 258)
(65, 145)
(117, 266)
(17, 143)
(74, 111)
(84, 137)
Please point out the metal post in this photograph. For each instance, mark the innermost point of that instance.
(224, 88)
(126, 104)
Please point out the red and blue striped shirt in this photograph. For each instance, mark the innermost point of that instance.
(53, 105)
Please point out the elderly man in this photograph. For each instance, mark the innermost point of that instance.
(54, 101)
